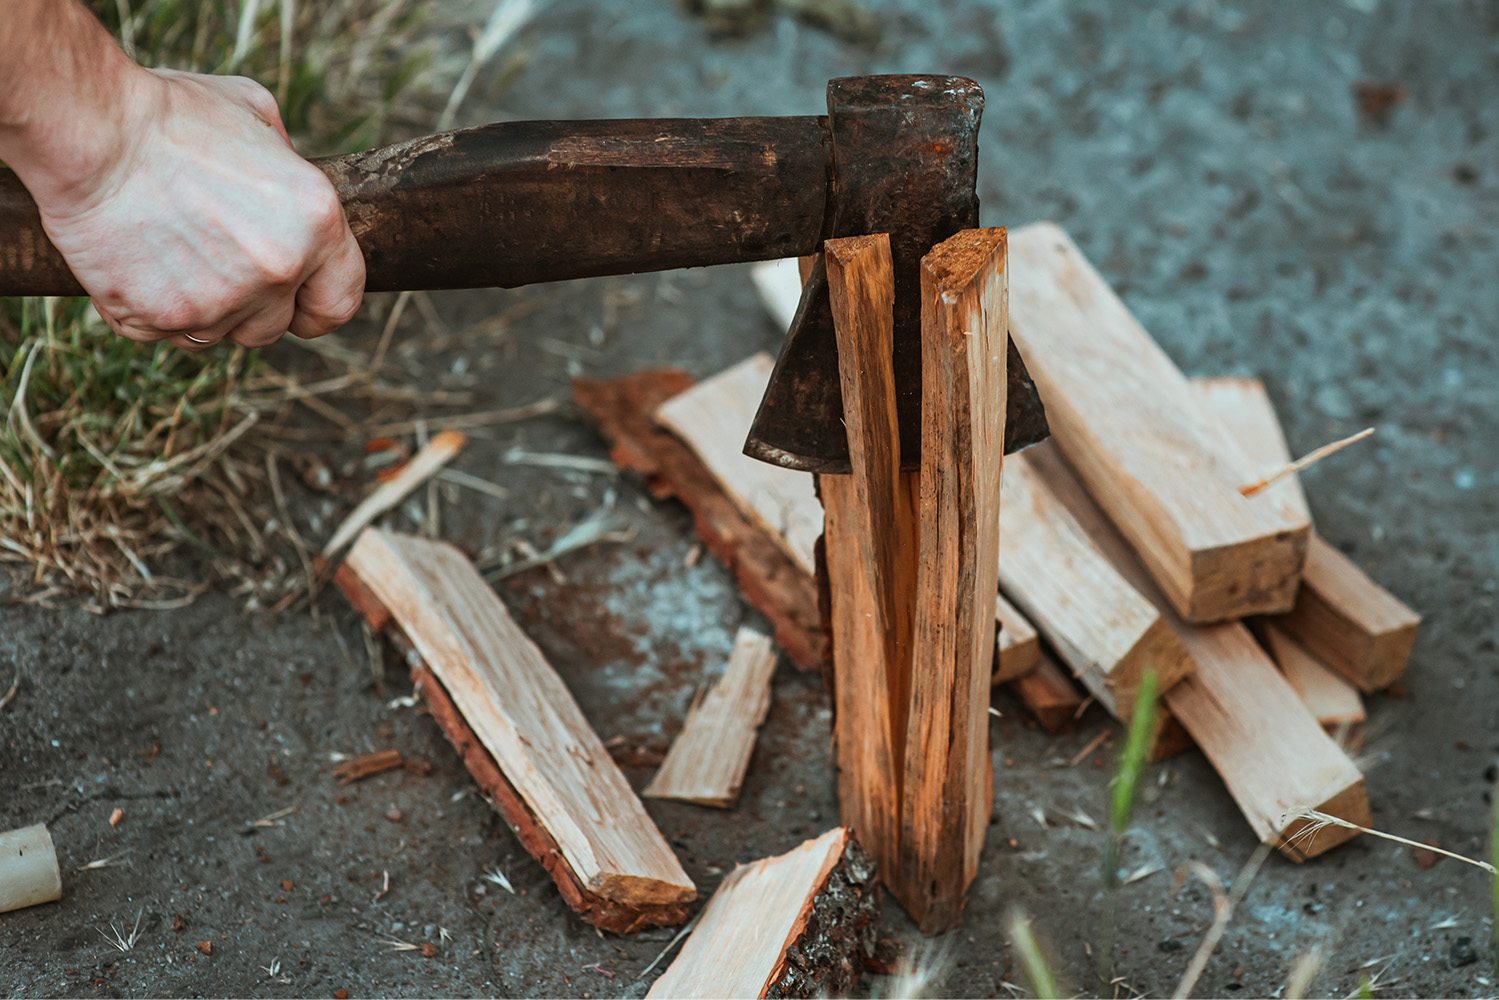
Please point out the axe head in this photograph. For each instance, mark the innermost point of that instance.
(904, 162)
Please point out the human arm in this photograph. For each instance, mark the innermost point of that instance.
(176, 198)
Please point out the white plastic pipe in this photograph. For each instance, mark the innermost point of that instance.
(28, 869)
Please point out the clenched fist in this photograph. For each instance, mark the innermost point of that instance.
(176, 198)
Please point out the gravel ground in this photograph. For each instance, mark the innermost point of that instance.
(1213, 160)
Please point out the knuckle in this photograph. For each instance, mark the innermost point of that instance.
(279, 267)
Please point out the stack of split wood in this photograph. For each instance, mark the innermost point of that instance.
(1133, 542)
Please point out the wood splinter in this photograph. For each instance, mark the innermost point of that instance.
(519, 731)
(801, 924)
(707, 762)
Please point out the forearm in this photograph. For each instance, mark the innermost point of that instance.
(63, 81)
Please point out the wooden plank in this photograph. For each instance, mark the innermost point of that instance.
(799, 924)
(1351, 623)
(1273, 757)
(619, 870)
(1333, 701)
(1102, 628)
(1049, 694)
(1125, 417)
(709, 418)
(1017, 647)
(1341, 616)
(708, 760)
(947, 791)
(871, 554)
(768, 578)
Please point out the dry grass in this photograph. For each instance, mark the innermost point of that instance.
(116, 459)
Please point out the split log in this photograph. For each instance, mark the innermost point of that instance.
(947, 790)
(1341, 616)
(708, 760)
(801, 924)
(1101, 627)
(1017, 647)
(1049, 694)
(708, 417)
(1127, 420)
(768, 578)
(1273, 757)
(1332, 700)
(870, 555)
(520, 732)
(29, 875)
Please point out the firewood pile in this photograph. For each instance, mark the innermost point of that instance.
(1161, 532)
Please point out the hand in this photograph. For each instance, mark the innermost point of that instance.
(197, 222)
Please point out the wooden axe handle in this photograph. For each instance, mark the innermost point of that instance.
(525, 202)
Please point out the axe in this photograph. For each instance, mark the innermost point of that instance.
(525, 202)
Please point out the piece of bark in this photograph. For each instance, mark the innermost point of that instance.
(29, 875)
(1017, 647)
(708, 417)
(1274, 758)
(520, 732)
(801, 924)
(946, 794)
(768, 578)
(1127, 420)
(1331, 699)
(1103, 629)
(367, 765)
(708, 760)
(1049, 694)
(870, 554)
(1341, 616)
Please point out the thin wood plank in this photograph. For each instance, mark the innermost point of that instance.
(1341, 616)
(526, 720)
(1125, 417)
(870, 552)
(708, 760)
(1102, 628)
(1273, 757)
(708, 417)
(1017, 647)
(800, 924)
(947, 792)
(1331, 699)
(768, 578)
(1049, 694)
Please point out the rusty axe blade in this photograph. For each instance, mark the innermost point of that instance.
(904, 162)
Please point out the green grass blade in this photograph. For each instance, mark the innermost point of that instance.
(1033, 964)
(1132, 761)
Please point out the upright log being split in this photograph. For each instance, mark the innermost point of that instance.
(912, 564)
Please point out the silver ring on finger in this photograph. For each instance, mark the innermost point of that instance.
(195, 340)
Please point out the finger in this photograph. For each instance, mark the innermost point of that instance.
(266, 327)
(330, 296)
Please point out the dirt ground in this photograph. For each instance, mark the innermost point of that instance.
(1214, 161)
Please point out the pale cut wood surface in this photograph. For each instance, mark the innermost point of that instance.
(1048, 693)
(709, 418)
(947, 792)
(1017, 647)
(524, 715)
(1341, 616)
(1105, 630)
(1159, 466)
(871, 552)
(1351, 623)
(759, 911)
(779, 284)
(28, 868)
(1240, 710)
(423, 466)
(1332, 700)
(708, 760)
